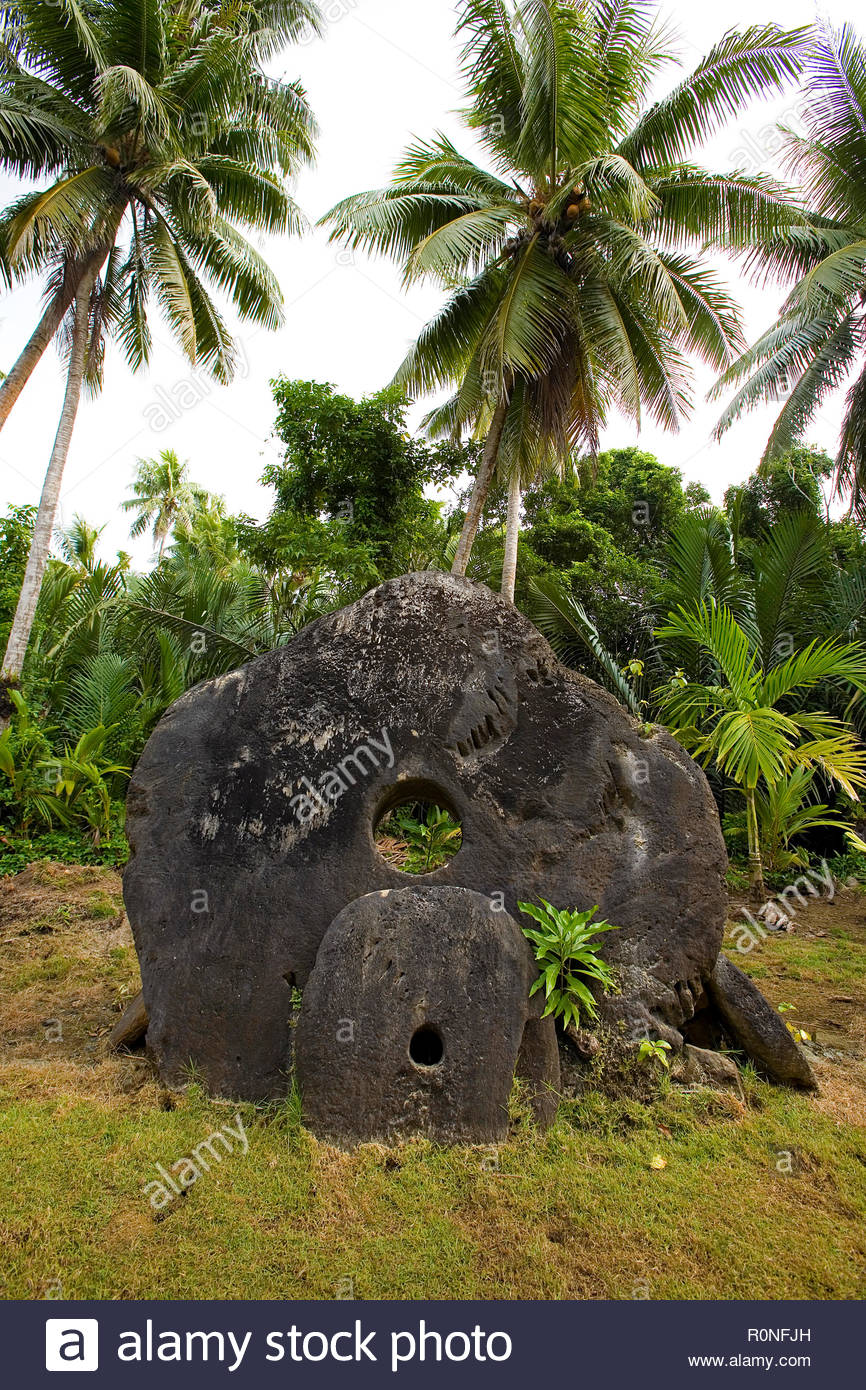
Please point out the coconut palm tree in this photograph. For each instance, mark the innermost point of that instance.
(745, 721)
(163, 498)
(820, 336)
(100, 104)
(162, 135)
(566, 254)
(78, 542)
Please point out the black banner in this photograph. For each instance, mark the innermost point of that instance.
(311, 1344)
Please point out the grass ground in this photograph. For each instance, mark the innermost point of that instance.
(759, 1198)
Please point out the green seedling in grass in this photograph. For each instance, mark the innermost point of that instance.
(654, 1050)
(798, 1034)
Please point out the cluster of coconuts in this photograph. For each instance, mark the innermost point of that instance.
(580, 205)
(537, 209)
(575, 209)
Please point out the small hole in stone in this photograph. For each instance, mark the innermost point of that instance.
(417, 834)
(426, 1048)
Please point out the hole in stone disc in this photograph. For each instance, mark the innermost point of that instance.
(426, 1048)
(417, 834)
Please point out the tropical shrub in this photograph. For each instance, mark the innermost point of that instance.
(69, 788)
(785, 810)
(745, 720)
(24, 757)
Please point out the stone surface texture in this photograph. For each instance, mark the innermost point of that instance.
(429, 963)
(702, 1066)
(251, 819)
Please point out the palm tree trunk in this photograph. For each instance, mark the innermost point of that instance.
(757, 890)
(19, 375)
(37, 560)
(512, 531)
(482, 486)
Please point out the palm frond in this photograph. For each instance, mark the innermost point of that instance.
(756, 62)
(714, 322)
(494, 71)
(237, 269)
(851, 458)
(392, 221)
(563, 116)
(731, 212)
(438, 163)
(449, 342)
(462, 247)
(827, 370)
(780, 359)
(700, 563)
(99, 691)
(571, 633)
(844, 662)
(714, 627)
(791, 557)
(65, 212)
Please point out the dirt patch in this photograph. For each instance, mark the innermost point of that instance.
(67, 969)
(817, 972)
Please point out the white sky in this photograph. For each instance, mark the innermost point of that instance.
(386, 72)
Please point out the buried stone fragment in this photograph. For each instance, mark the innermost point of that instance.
(756, 1026)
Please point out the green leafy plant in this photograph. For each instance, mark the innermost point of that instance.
(568, 956)
(851, 864)
(24, 749)
(654, 1050)
(66, 845)
(742, 718)
(79, 776)
(420, 838)
(68, 788)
